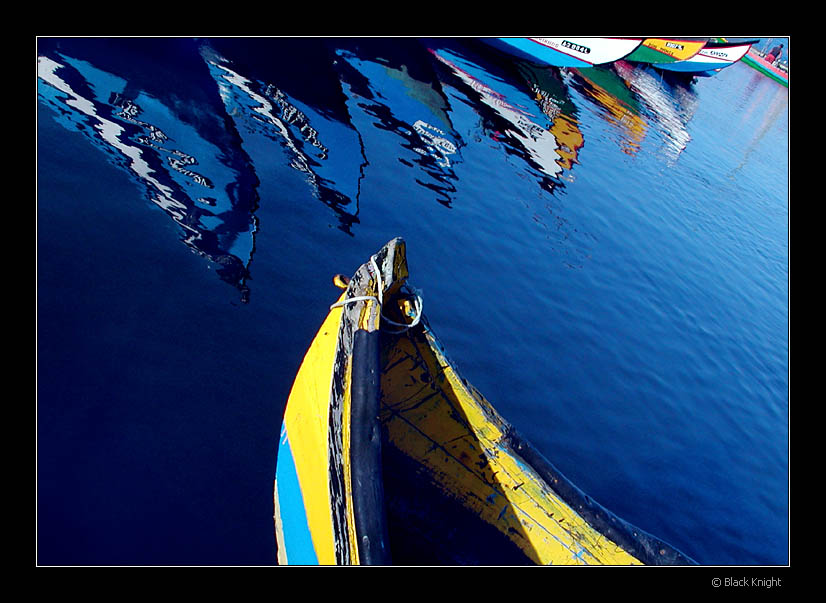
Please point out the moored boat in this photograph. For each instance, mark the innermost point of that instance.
(710, 59)
(388, 456)
(755, 59)
(666, 50)
(569, 51)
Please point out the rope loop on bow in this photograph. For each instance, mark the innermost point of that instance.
(417, 305)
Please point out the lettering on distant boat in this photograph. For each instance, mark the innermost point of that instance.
(577, 47)
(674, 45)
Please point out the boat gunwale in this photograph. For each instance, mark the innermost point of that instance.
(366, 526)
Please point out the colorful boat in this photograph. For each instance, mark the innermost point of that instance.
(711, 58)
(666, 50)
(754, 59)
(567, 52)
(388, 456)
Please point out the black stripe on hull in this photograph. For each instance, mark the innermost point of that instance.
(366, 451)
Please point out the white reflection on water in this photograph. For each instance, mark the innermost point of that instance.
(111, 133)
(671, 115)
(539, 142)
(261, 108)
(221, 229)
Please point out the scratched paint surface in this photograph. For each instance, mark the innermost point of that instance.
(604, 256)
(431, 416)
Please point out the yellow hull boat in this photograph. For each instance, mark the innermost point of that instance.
(388, 456)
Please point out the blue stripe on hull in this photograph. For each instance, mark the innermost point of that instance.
(298, 543)
(534, 51)
(691, 66)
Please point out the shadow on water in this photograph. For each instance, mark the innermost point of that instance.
(188, 128)
(417, 89)
(529, 120)
(392, 88)
(551, 94)
(190, 119)
(160, 121)
(182, 117)
(523, 107)
(275, 101)
(615, 102)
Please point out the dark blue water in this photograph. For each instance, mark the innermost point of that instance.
(604, 254)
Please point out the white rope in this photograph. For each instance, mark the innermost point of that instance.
(380, 302)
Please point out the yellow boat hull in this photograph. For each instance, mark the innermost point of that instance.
(387, 455)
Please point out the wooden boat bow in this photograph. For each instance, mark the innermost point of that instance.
(387, 455)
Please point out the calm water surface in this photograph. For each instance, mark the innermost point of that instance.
(603, 252)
